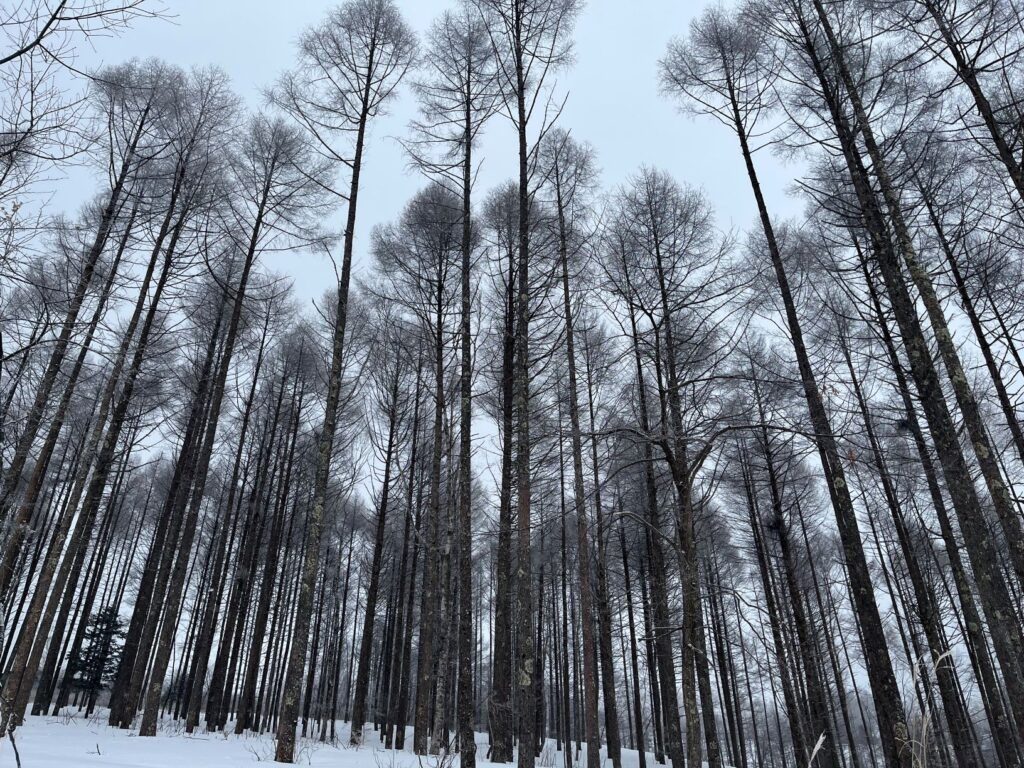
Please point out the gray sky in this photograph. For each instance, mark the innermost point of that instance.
(613, 103)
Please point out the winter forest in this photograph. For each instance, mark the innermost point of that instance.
(552, 471)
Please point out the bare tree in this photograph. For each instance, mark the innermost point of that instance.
(40, 123)
(349, 67)
(531, 40)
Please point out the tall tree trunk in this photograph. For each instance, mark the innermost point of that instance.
(638, 711)
(464, 547)
(373, 587)
(590, 719)
(525, 661)
(499, 703)
(289, 711)
(658, 577)
(429, 616)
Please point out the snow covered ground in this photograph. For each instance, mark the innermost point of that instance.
(72, 741)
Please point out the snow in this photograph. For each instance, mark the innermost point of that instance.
(71, 741)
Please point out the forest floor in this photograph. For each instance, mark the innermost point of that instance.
(72, 741)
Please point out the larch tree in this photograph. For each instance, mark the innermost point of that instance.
(350, 65)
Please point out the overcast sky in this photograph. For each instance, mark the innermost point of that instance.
(613, 103)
